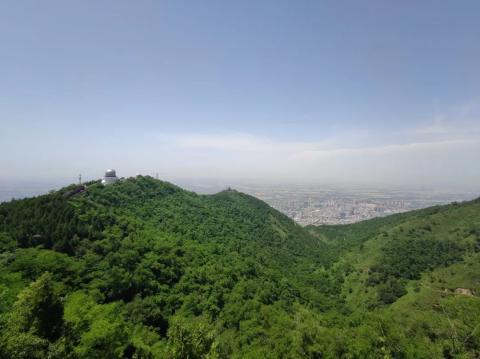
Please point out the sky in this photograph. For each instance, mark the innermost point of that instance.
(354, 92)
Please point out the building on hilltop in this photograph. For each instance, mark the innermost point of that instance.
(110, 177)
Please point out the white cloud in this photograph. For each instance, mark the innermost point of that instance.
(416, 160)
(439, 152)
(238, 142)
(251, 145)
(407, 148)
(460, 120)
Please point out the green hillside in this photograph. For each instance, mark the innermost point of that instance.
(417, 273)
(144, 269)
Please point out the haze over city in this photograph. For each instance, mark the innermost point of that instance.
(351, 93)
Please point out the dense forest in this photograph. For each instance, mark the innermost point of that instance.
(145, 269)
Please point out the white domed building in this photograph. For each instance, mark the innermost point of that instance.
(110, 177)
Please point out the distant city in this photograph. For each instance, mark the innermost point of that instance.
(319, 205)
(306, 205)
(341, 206)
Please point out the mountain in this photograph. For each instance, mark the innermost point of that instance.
(144, 269)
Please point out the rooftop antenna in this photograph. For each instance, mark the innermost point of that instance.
(80, 178)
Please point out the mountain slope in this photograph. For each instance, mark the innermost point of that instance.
(145, 269)
(420, 270)
(161, 253)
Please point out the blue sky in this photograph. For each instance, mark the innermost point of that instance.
(371, 92)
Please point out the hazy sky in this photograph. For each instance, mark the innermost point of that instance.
(373, 92)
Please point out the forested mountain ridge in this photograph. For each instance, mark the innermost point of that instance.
(145, 269)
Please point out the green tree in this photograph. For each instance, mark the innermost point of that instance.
(190, 338)
(390, 291)
(97, 331)
(35, 321)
